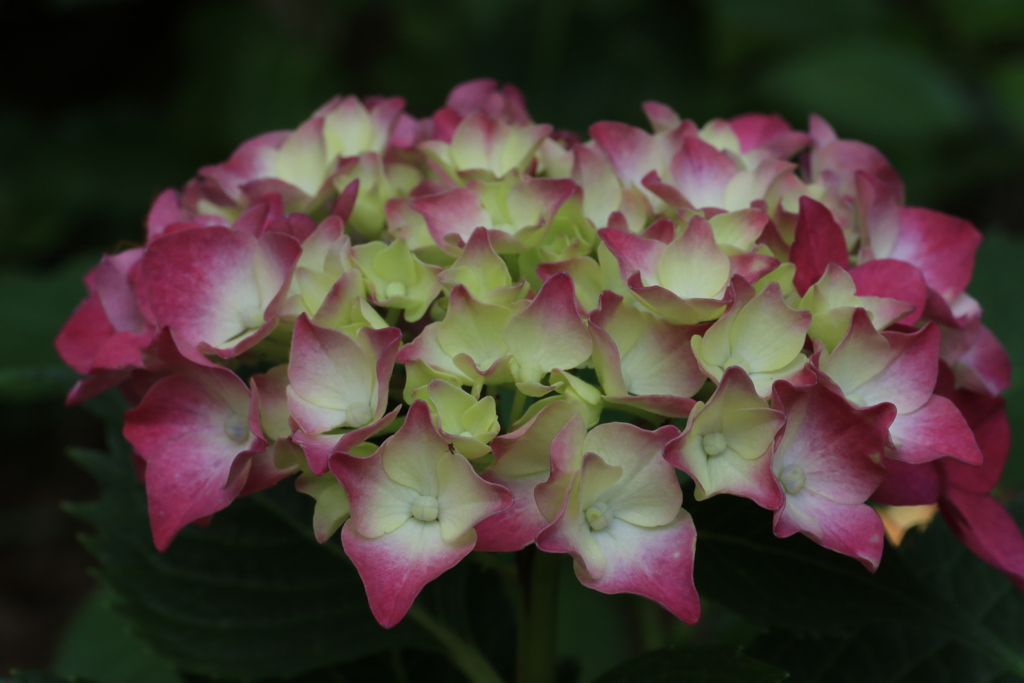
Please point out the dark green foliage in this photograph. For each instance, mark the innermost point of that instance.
(40, 677)
(953, 619)
(248, 597)
(700, 664)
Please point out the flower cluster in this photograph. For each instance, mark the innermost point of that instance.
(441, 325)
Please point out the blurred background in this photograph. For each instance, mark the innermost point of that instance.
(103, 103)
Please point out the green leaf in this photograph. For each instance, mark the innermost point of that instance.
(98, 645)
(698, 664)
(883, 91)
(34, 306)
(248, 597)
(975, 633)
(36, 382)
(23, 676)
(792, 582)
(595, 631)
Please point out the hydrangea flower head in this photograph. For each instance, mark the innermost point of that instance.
(438, 325)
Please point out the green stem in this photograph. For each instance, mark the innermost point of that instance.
(518, 407)
(392, 318)
(464, 655)
(539, 617)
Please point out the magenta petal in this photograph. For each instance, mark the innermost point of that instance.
(985, 527)
(83, 334)
(985, 365)
(319, 447)
(893, 279)
(661, 116)
(752, 267)
(116, 291)
(837, 446)
(455, 212)
(190, 431)
(819, 241)
(656, 563)
(667, 193)
(935, 430)
(942, 246)
(634, 253)
(631, 150)
(854, 530)
(517, 527)
(702, 173)
(907, 484)
(770, 131)
(396, 566)
(121, 351)
(987, 417)
(265, 468)
(214, 286)
(165, 211)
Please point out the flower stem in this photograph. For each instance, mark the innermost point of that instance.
(518, 407)
(539, 617)
(462, 654)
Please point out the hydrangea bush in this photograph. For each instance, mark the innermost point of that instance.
(472, 332)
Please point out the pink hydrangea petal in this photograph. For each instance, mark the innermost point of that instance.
(656, 563)
(456, 212)
(673, 309)
(987, 418)
(907, 484)
(191, 430)
(84, 334)
(116, 292)
(893, 279)
(268, 467)
(854, 530)
(121, 351)
(985, 527)
(985, 365)
(328, 371)
(166, 210)
(819, 242)
(318, 448)
(632, 151)
(749, 426)
(517, 527)
(212, 284)
(693, 266)
(661, 116)
(702, 173)
(465, 499)
(647, 492)
(666, 192)
(895, 367)
(549, 333)
(379, 504)
(837, 446)
(395, 567)
(769, 131)
(634, 253)
(942, 246)
(483, 94)
(935, 430)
